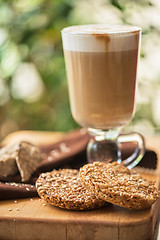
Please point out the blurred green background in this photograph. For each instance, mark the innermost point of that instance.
(33, 86)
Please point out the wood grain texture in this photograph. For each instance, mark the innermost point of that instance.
(31, 220)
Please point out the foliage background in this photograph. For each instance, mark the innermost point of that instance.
(33, 86)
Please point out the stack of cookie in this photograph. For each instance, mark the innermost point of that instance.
(95, 185)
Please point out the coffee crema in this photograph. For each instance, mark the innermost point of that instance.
(101, 69)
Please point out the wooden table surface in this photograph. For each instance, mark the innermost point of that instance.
(32, 219)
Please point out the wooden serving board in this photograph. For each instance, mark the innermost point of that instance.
(32, 219)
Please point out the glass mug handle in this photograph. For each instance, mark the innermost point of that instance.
(104, 146)
(137, 155)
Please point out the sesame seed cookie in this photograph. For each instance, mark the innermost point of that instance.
(63, 188)
(118, 185)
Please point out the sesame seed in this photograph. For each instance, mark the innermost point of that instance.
(49, 158)
(55, 153)
(63, 147)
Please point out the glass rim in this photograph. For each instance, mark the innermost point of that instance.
(101, 30)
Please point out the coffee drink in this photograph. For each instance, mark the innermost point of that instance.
(101, 64)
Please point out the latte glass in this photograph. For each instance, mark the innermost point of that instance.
(101, 65)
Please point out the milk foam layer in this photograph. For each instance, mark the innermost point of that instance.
(100, 38)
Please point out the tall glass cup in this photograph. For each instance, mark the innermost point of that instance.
(101, 65)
